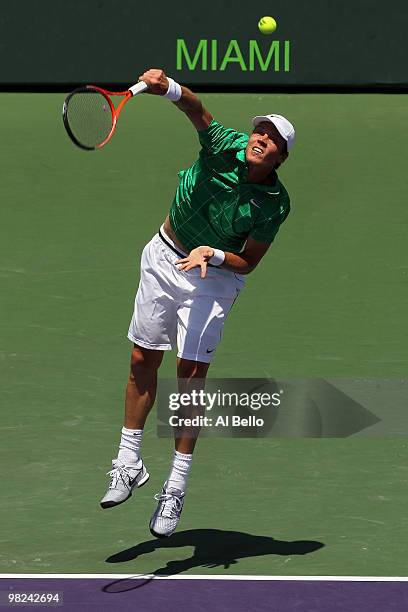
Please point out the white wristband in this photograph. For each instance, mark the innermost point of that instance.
(218, 258)
(174, 91)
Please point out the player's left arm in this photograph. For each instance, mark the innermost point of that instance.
(246, 261)
(241, 263)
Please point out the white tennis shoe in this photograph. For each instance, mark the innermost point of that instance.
(167, 515)
(124, 478)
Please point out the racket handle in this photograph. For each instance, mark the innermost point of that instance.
(138, 88)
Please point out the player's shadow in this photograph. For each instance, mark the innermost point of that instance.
(215, 548)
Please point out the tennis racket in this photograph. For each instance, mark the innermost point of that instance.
(90, 116)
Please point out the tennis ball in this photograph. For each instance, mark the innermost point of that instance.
(267, 25)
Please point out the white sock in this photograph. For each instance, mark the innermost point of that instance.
(179, 471)
(129, 447)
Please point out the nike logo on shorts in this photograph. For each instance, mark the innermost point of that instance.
(210, 351)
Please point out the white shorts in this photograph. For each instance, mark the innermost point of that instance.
(180, 309)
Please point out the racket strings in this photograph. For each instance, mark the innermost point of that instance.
(89, 117)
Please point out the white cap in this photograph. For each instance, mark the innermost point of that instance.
(284, 127)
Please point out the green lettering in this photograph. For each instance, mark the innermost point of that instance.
(263, 64)
(233, 47)
(287, 55)
(214, 55)
(198, 58)
(182, 51)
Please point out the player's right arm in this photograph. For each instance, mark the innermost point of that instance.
(189, 103)
(192, 106)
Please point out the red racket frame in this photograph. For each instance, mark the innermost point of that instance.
(115, 112)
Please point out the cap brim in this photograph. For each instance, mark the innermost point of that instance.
(261, 118)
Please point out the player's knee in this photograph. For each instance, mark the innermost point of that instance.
(143, 359)
(191, 369)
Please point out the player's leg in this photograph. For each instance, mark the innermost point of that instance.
(201, 317)
(191, 375)
(141, 386)
(128, 470)
(152, 331)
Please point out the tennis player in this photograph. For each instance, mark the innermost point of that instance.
(226, 212)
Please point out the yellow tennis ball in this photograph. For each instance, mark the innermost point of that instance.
(267, 25)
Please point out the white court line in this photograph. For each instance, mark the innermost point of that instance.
(214, 577)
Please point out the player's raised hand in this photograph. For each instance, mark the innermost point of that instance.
(156, 80)
(197, 258)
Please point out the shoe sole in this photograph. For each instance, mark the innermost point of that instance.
(159, 535)
(112, 504)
